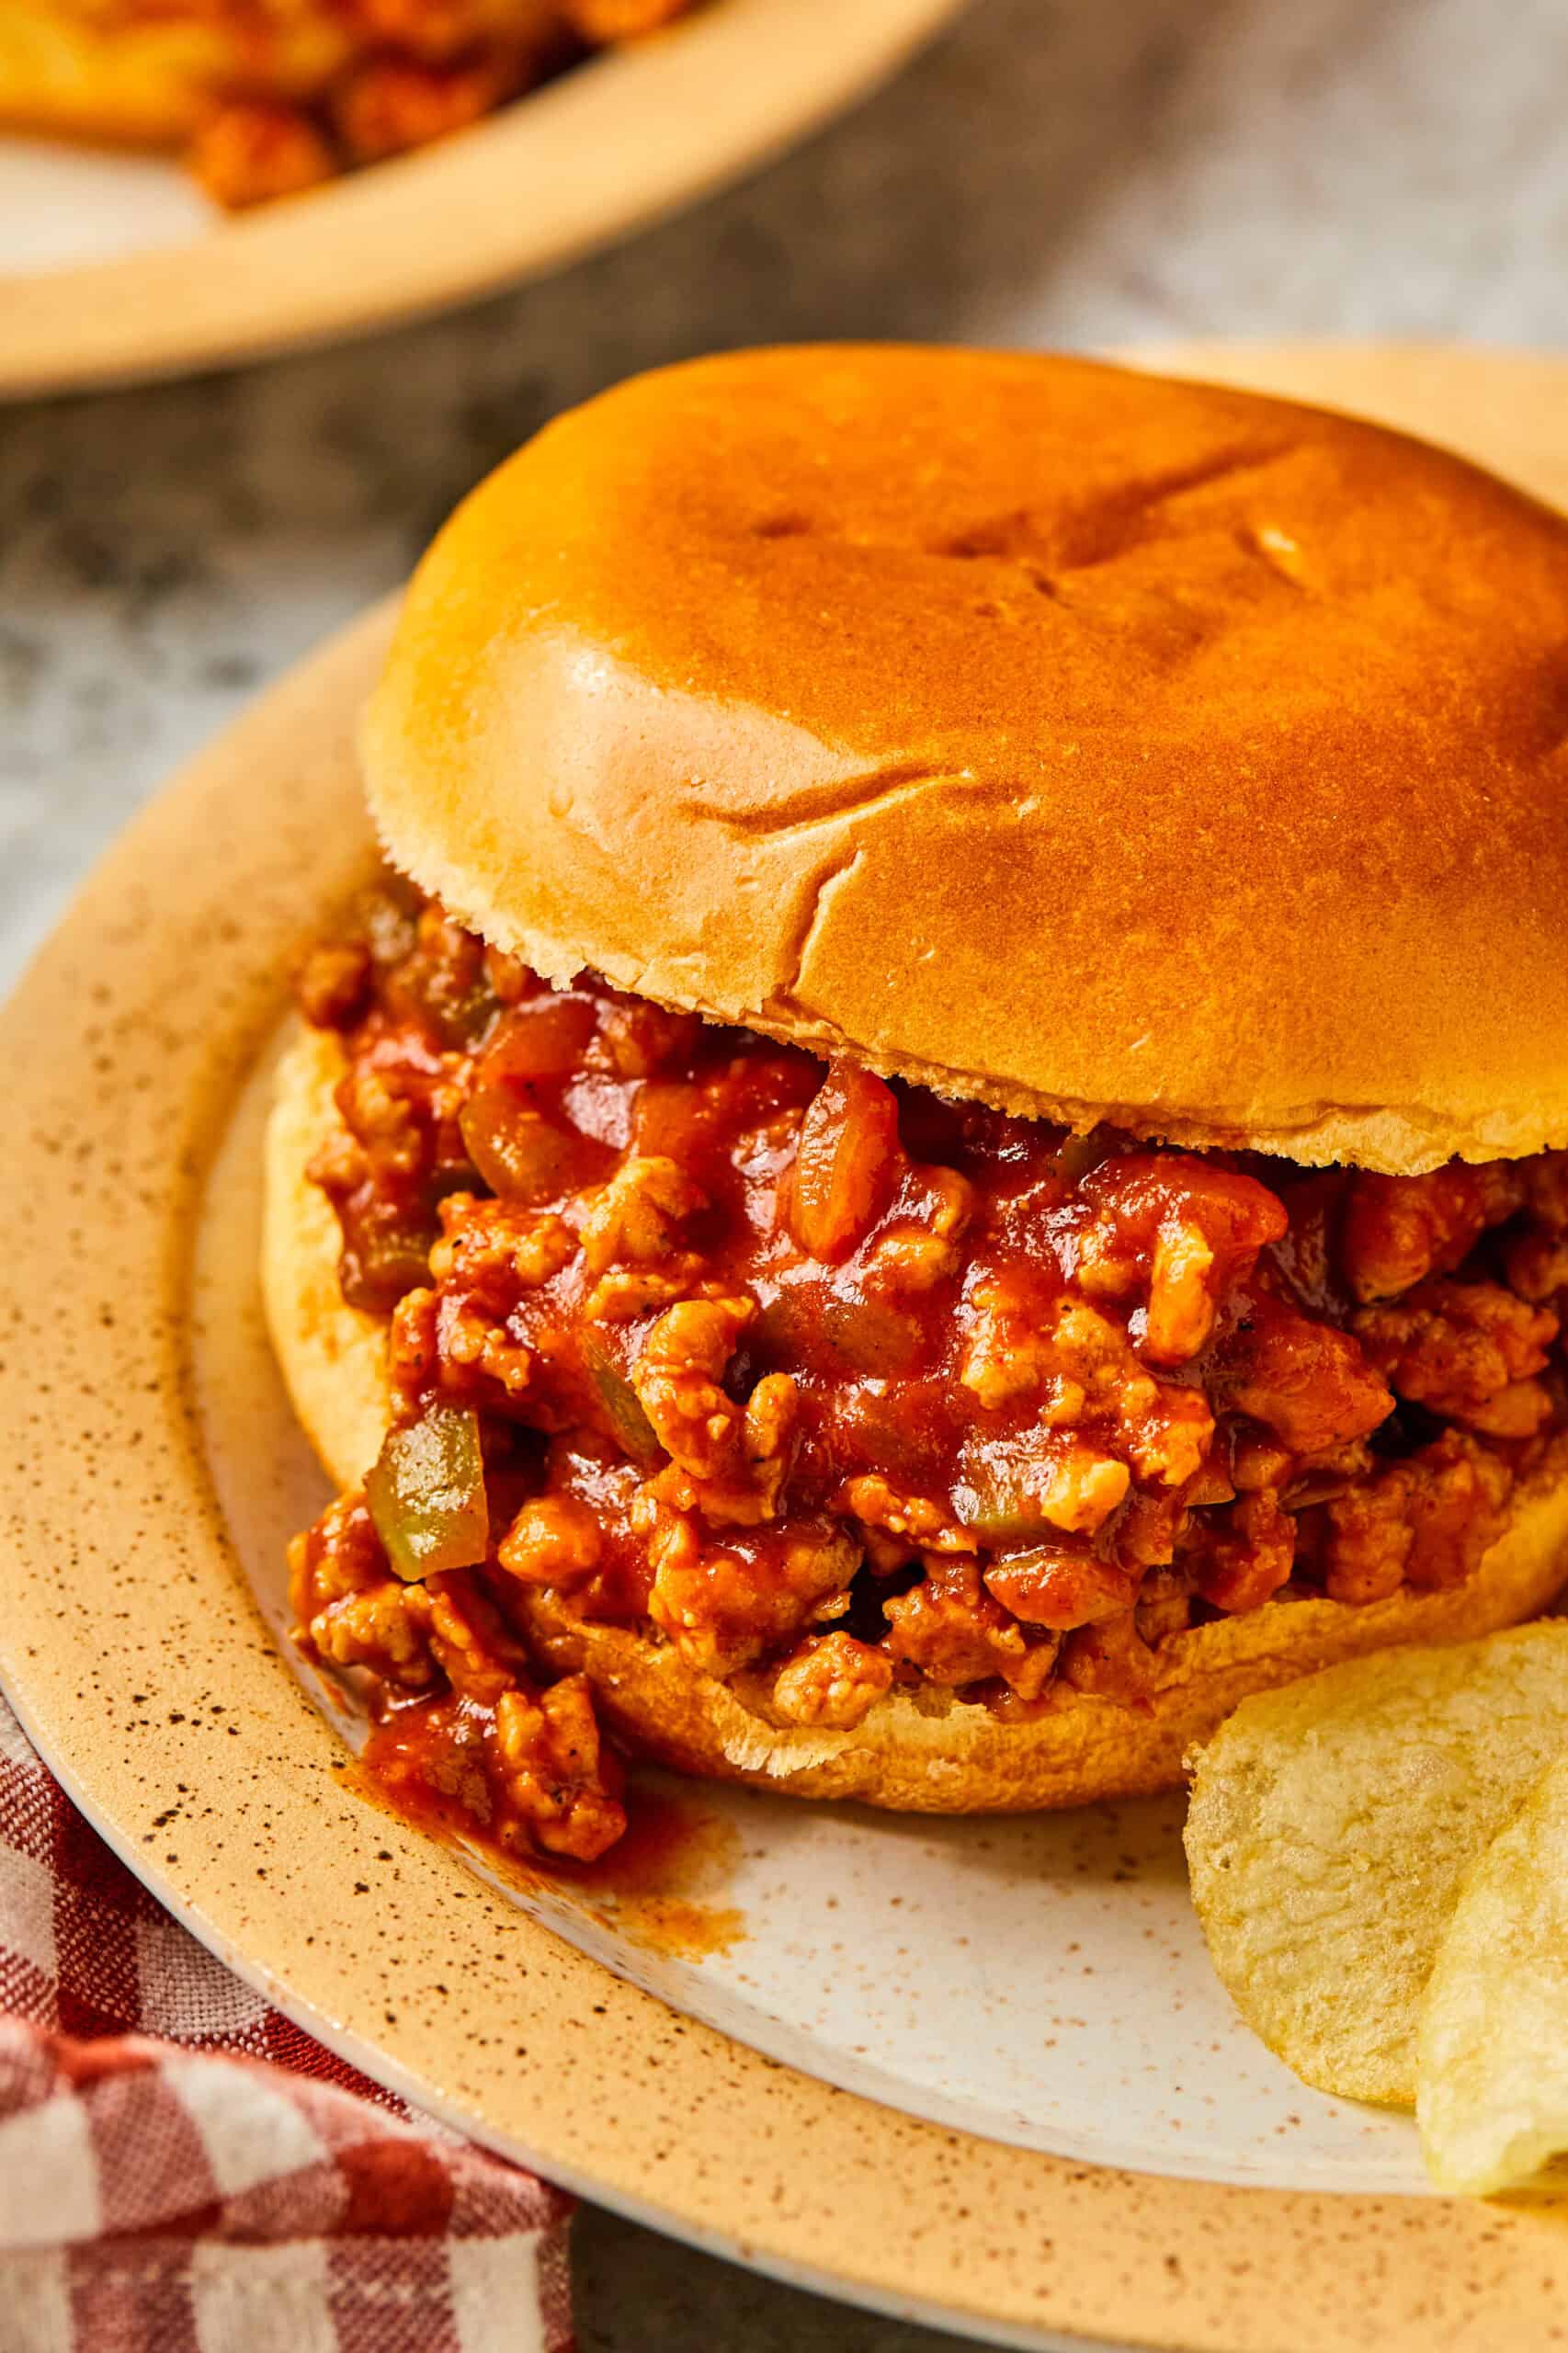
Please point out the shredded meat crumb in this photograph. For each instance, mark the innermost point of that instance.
(832, 1681)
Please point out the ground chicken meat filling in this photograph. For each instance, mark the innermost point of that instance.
(843, 1389)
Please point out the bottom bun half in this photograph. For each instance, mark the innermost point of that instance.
(931, 1754)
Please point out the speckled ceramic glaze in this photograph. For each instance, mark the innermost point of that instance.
(905, 2042)
(110, 268)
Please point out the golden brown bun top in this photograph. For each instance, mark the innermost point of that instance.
(1077, 739)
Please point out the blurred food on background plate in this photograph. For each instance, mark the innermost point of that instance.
(264, 98)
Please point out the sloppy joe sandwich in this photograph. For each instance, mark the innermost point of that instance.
(941, 1151)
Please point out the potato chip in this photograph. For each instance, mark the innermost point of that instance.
(1492, 2097)
(1332, 1825)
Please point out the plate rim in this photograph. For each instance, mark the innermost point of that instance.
(427, 231)
(120, 1087)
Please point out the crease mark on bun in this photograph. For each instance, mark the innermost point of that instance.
(818, 804)
(1116, 523)
(796, 952)
(1109, 524)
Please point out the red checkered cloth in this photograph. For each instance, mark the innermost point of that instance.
(183, 2171)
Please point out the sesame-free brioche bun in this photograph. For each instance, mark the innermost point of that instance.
(933, 1756)
(1091, 744)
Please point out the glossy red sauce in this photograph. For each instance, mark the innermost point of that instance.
(842, 1389)
(659, 1885)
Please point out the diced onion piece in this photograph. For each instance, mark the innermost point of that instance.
(673, 1118)
(808, 1325)
(633, 1432)
(1009, 1493)
(869, 1335)
(427, 1494)
(519, 1155)
(846, 1164)
(384, 1258)
(545, 1037)
(997, 1503)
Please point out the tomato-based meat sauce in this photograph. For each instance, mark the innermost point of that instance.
(843, 1389)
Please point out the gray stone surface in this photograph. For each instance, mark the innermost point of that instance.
(637, 2292)
(1079, 172)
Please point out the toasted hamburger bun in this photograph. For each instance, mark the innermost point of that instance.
(937, 1755)
(1089, 743)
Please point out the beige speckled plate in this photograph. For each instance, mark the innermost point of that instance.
(112, 268)
(977, 2072)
